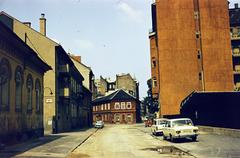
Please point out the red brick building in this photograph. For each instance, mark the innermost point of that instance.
(190, 45)
(117, 107)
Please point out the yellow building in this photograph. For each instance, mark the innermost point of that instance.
(63, 85)
(21, 88)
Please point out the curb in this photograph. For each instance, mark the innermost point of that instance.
(70, 151)
(220, 131)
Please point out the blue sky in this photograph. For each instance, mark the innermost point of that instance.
(110, 35)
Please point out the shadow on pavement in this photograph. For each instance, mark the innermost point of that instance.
(13, 150)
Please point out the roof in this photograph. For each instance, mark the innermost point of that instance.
(176, 119)
(12, 38)
(210, 98)
(234, 15)
(117, 95)
(58, 46)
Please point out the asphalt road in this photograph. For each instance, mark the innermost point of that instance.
(119, 141)
(123, 141)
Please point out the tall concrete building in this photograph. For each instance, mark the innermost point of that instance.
(190, 44)
(234, 14)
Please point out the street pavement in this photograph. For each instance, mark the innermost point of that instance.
(131, 141)
(119, 141)
(50, 146)
(207, 145)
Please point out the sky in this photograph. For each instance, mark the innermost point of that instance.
(111, 36)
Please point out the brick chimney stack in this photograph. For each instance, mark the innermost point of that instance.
(77, 58)
(42, 22)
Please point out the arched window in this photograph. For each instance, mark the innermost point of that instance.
(18, 89)
(29, 86)
(5, 77)
(38, 94)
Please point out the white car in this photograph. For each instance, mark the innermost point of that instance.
(158, 125)
(180, 128)
(99, 124)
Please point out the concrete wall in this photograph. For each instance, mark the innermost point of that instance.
(17, 123)
(216, 45)
(182, 69)
(177, 53)
(126, 82)
(46, 51)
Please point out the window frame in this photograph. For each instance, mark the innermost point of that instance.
(4, 64)
(18, 71)
(29, 82)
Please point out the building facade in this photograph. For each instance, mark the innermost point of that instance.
(126, 82)
(118, 107)
(21, 88)
(234, 14)
(190, 45)
(87, 73)
(63, 84)
(89, 91)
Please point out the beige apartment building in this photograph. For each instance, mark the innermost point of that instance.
(21, 89)
(123, 81)
(62, 85)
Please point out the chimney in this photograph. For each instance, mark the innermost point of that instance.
(236, 5)
(42, 22)
(77, 58)
(27, 24)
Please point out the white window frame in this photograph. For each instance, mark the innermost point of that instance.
(117, 106)
(129, 105)
(123, 105)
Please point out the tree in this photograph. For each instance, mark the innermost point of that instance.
(150, 102)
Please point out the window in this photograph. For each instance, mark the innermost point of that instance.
(123, 105)
(200, 76)
(117, 106)
(5, 77)
(198, 34)
(108, 106)
(154, 63)
(102, 107)
(196, 15)
(38, 94)
(199, 54)
(154, 80)
(129, 105)
(18, 86)
(29, 87)
(105, 106)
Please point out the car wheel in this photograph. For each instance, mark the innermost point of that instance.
(194, 138)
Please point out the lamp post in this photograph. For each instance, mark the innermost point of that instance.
(51, 93)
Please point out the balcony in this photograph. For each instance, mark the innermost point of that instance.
(236, 52)
(237, 70)
(64, 92)
(151, 32)
(235, 33)
(64, 68)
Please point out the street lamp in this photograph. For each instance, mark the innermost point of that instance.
(51, 93)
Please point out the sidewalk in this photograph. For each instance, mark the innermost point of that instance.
(51, 145)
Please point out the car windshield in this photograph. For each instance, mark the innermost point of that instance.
(182, 123)
(161, 122)
(99, 122)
